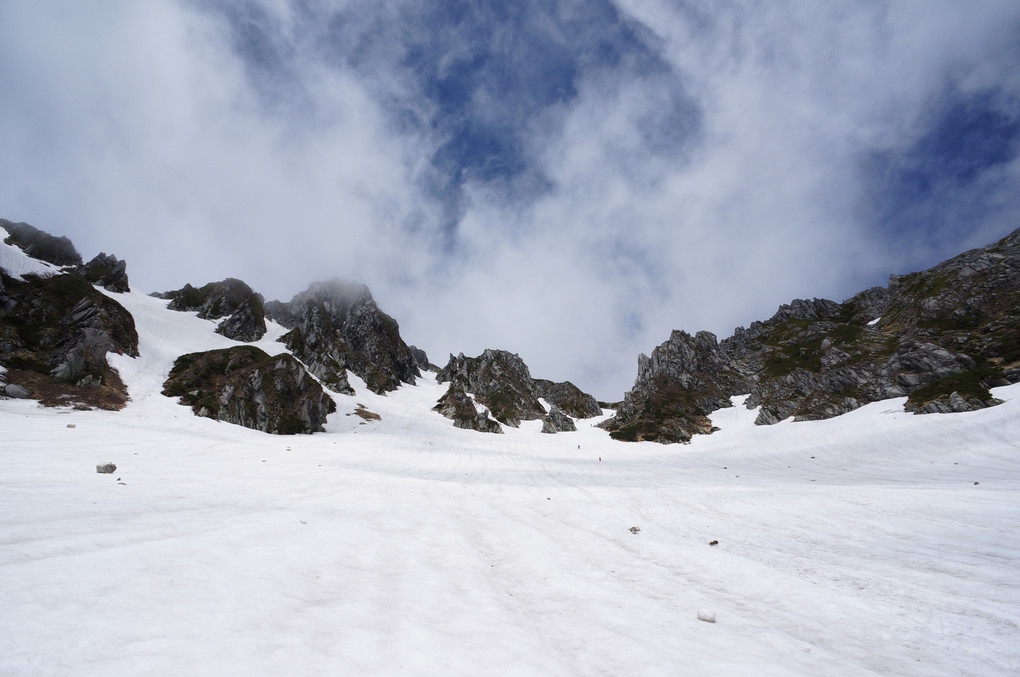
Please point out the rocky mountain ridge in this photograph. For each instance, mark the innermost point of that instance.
(943, 337)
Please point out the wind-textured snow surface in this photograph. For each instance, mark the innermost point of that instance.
(876, 543)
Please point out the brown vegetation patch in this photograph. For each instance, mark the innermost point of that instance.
(110, 395)
(366, 414)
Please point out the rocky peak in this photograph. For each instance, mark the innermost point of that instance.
(336, 326)
(107, 271)
(499, 380)
(568, 398)
(232, 299)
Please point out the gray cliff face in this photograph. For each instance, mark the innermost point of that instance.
(245, 386)
(107, 271)
(457, 405)
(942, 337)
(337, 326)
(500, 381)
(39, 245)
(232, 299)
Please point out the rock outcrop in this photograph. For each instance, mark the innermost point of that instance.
(500, 381)
(336, 326)
(107, 271)
(54, 338)
(457, 405)
(557, 422)
(421, 359)
(232, 299)
(40, 245)
(245, 386)
(570, 399)
(943, 337)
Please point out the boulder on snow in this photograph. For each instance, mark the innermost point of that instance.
(16, 391)
(106, 468)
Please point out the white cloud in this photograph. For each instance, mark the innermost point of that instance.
(137, 129)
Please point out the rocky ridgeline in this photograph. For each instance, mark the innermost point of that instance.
(336, 326)
(502, 382)
(942, 337)
(245, 386)
(232, 299)
(55, 332)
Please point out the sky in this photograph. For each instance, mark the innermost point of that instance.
(566, 180)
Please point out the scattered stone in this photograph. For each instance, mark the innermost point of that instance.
(106, 469)
(635, 530)
(713, 543)
(706, 616)
(71, 425)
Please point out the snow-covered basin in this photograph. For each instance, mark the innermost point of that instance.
(876, 543)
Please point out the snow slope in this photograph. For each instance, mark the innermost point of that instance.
(16, 263)
(860, 545)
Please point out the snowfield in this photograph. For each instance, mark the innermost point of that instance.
(876, 543)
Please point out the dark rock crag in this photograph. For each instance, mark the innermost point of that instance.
(942, 337)
(421, 359)
(245, 386)
(557, 422)
(107, 271)
(502, 382)
(457, 405)
(232, 299)
(570, 399)
(55, 333)
(336, 326)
